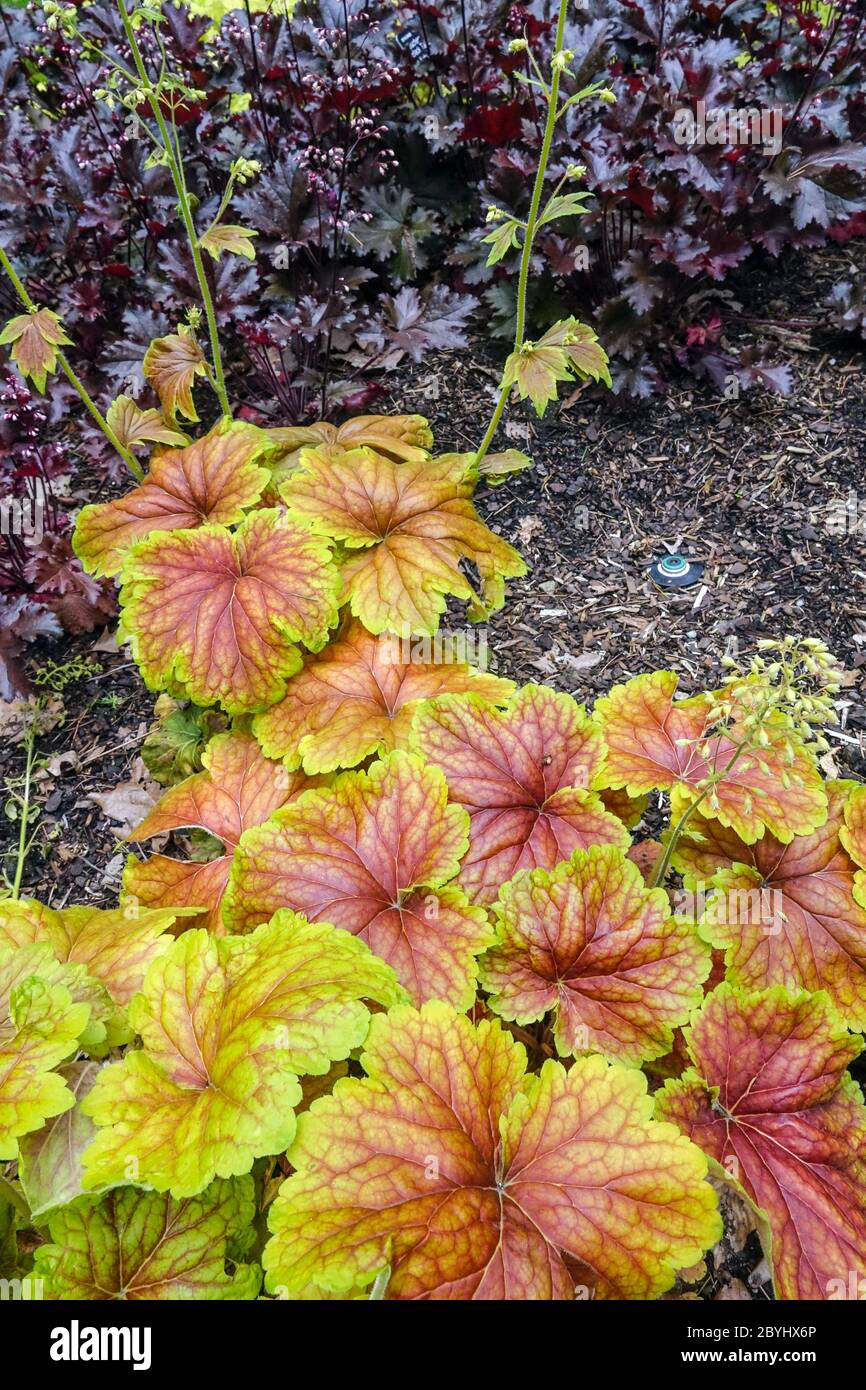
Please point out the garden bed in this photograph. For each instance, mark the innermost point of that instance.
(745, 486)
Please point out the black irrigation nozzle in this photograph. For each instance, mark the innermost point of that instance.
(675, 572)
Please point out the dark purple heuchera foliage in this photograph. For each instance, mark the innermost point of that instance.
(43, 588)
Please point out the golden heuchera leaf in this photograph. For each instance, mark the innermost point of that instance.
(228, 1024)
(171, 365)
(413, 524)
(220, 611)
(132, 425)
(213, 480)
(374, 853)
(525, 774)
(768, 1098)
(472, 1180)
(403, 438)
(239, 788)
(785, 914)
(568, 350)
(229, 237)
(653, 742)
(35, 339)
(590, 944)
(359, 696)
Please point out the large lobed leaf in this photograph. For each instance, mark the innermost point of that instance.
(220, 612)
(526, 776)
(44, 1009)
(50, 1159)
(358, 697)
(785, 914)
(115, 946)
(238, 788)
(404, 438)
(213, 480)
(413, 524)
(653, 743)
(374, 853)
(769, 1099)
(589, 943)
(474, 1181)
(136, 1245)
(227, 1026)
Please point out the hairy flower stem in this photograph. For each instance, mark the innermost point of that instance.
(659, 873)
(185, 210)
(531, 226)
(64, 364)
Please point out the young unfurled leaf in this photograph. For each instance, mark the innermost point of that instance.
(498, 468)
(116, 946)
(35, 339)
(565, 205)
(132, 425)
(569, 350)
(589, 943)
(219, 611)
(413, 524)
(403, 438)
(227, 1025)
(770, 1101)
(49, 1159)
(171, 365)
(643, 726)
(502, 239)
(526, 775)
(229, 237)
(474, 1181)
(358, 697)
(212, 480)
(177, 739)
(41, 1021)
(239, 788)
(373, 854)
(785, 913)
(135, 1245)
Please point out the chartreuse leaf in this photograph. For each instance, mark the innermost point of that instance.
(770, 1101)
(525, 774)
(567, 351)
(653, 742)
(212, 480)
(220, 611)
(41, 1022)
(475, 1181)
(137, 1245)
(358, 697)
(49, 1159)
(413, 524)
(589, 943)
(785, 914)
(238, 788)
(374, 853)
(231, 238)
(115, 946)
(35, 338)
(227, 1027)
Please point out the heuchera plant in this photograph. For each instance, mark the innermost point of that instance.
(410, 973)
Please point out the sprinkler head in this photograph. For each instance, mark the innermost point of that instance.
(675, 572)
